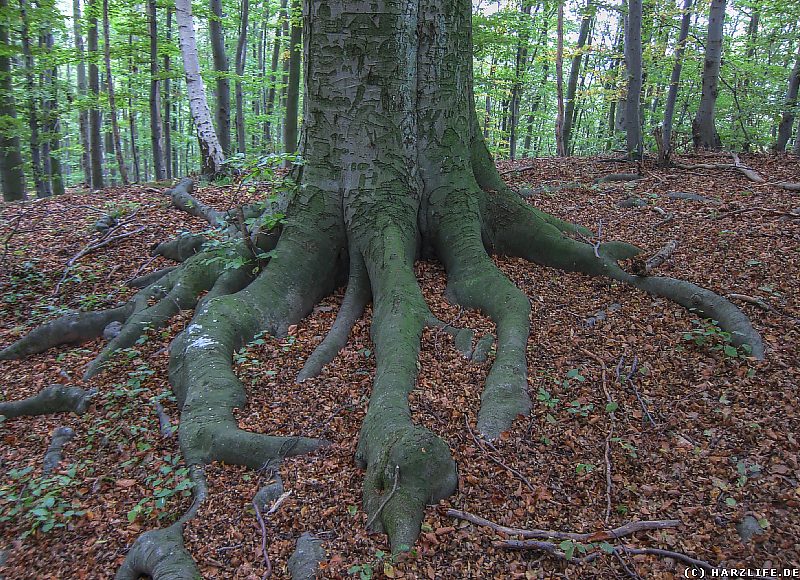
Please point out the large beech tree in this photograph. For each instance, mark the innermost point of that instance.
(395, 169)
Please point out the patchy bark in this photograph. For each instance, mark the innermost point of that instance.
(52, 399)
(704, 131)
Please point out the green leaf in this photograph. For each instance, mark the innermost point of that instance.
(730, 502)
(569, 548)
(606, 547)
(730, 351)
(611, 407)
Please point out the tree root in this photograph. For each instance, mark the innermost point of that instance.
(52, 399)
(618, 177)
(355, 299)
(304, 561)
(151, 278)
(52, 457)
(538, 243)
(482, 348)
(181, 248)
(70, 329)
(161, 554)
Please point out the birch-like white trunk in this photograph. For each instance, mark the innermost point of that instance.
(210, 149)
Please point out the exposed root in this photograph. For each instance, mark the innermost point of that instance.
(182, 198)
(462, 337)
(161, 554)
(52, 399)
(151, 278)
(355, 299)
(476, 282)
(164, 425)
(181, 248)
(482, 349)
(304, 561)
(70, 329)
(52, 457)
(618, 177)
(519, 232)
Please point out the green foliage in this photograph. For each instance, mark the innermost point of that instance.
(707, 333)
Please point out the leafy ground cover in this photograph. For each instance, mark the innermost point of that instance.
(642, 411)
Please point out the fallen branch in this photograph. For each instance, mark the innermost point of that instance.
(618, 177)
(52, 456)
(619, 532)
(789, 186)
(661, 256)
(668, 217)
(750, 174)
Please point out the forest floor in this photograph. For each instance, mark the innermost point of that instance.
(700, 433)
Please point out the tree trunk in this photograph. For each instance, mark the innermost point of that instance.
(789, 107)
(704, 132)
(95, 119)
(517, 87)
(12, 172)
(33, 113)
(574, 71)
(211, 153)
(674, 82)
(156, 126)
(633, 60)
(112, 101)
(293, 83)
(561, 144)
(53, 119)
(396, 167)
(137, 175)
(168, 100)
(83, 113)
(241, 53)
(221, 68)
(269, 107)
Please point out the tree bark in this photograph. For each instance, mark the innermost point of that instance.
(12, 171)
(95, 119)
(789, 107)
(168, 152)
(633, 60)
(561, 145)
(674, 83)
(704, 132)
(112, 101)
(52, 124)
(83, 113)
(222, 93)
(211, 153)
(33, 113)
(269, 106)
(293, 86)
(137, 175)
(574, 72)
(156, 125)
(241, 54)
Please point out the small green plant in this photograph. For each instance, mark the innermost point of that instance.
(43, 502)
(579, 409)
(708, 333)
(546, 398)
(584, 468)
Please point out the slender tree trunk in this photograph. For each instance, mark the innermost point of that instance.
(790, 104)
(260, 99)
(293, 87)
(12, 172)
(269, 107)
(137, 174)
(574, 71)
(210, 150)
(95, 119)
(156, 126)
(665, 151)
(241, 54)
(516, 89)
(53, 121)
(112, 101)
(43, 106)
(221, 68)
(561, 149)
(633, 59)
(168, 100)
(33, 113)
(704, 132)
(487, 109)
(83, 114)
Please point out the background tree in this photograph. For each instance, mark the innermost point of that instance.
(156, 126)
(12, 174)
(704, 131)
(633, 66)
(222, 94)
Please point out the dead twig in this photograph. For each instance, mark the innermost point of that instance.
(661, 256)
(511, 470)
(628, 382)
(387, 498)
(275, 506)
(668, 217)
(601, 536)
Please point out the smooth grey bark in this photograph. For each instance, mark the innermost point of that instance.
(269, 106)
(561, 145)
(704, 132)
(241, 54)
(789, 107)
(674, 82)
(168, 153)
(137, 175)
(156, 125)
(95, 119)
(633, 60)
(574, 72)
(211, 154)
(516, 89)
(33, 112)
(112, 100)
(52, 119)
(12, 171)
(293, 83)
(222, 94)
(83, 113)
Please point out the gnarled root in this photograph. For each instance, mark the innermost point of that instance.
(52, 457)
(355, 299)
(161, 554)
(517, 231)
(52, 399)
